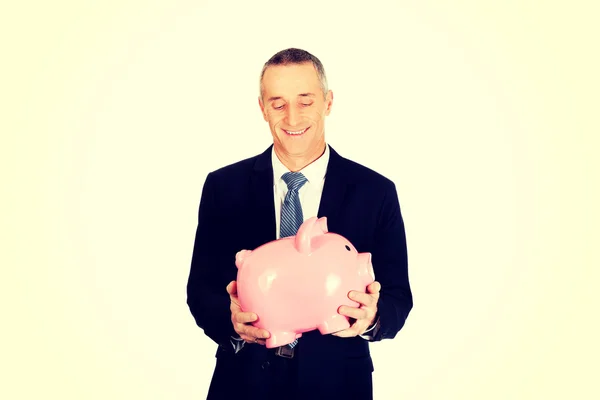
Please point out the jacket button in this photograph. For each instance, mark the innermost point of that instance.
(265, 365)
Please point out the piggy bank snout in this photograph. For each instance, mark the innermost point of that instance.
(366, 267)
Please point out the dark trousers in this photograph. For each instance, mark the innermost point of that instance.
(281, 374)
(276, 378)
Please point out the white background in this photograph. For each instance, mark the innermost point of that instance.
(483, 113)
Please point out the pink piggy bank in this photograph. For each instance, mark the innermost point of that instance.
(296, 284)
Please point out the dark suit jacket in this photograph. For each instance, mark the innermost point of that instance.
(237, 212)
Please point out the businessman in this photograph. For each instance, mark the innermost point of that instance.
(266, 197)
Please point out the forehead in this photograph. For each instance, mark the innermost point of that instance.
(291, 80)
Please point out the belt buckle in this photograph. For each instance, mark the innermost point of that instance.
(285, 351)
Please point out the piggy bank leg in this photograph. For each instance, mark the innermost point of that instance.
(278, 339)
(333, 324)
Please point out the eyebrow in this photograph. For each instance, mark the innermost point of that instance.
(273, 98)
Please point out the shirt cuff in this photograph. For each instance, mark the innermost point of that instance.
(237, 343)
(372, 328)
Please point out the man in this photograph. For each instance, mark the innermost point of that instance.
(248, 203)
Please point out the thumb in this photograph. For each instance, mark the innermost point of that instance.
(375, 287)
(232, 288)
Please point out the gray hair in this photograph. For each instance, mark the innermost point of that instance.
(296, 56)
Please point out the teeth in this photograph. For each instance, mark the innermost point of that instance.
(297, 132)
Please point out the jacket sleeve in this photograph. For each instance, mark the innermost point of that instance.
(207, 297)
(390, 263)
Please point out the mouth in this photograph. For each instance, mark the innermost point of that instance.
(296, 133)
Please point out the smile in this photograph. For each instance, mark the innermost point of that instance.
(296, 133)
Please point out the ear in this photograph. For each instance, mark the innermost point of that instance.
(310, 229)
(262, 109)
(328, 102)
(240, 257)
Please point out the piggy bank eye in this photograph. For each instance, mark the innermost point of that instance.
(347, 248)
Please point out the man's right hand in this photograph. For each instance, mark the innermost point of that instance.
(241, 320)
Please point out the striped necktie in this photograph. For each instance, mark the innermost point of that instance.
(291, 210)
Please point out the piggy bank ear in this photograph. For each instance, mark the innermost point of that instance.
(240, 257)
(310, 229)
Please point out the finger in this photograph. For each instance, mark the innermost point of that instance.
(353, 312)
(363, 298)
(242, 317)
(232, 288)
(345, 333)
(250, 339)
(253, 340)
(356, 329)
(235, 307)
(349, 332)
(252, 331)
(246, 338)
(374, 287)
(254, 336)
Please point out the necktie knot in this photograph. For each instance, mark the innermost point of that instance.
(294, 180)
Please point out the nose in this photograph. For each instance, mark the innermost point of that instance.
(293, 116)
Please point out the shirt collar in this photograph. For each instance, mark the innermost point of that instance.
(314, 172)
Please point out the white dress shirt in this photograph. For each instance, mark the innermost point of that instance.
(310, 199)
(310, 193)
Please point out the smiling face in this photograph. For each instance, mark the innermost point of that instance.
(293, 104)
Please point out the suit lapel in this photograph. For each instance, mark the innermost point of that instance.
(334, 188)
(263, 207)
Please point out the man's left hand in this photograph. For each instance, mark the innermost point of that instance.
(364, 315)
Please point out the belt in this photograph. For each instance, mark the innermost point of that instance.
(285, 351)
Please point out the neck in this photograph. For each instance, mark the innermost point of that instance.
(297, 162)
